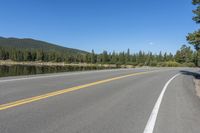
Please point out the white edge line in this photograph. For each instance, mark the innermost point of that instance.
(152, 119)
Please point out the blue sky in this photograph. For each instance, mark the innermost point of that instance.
(156, 25)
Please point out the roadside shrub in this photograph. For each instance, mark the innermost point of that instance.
(153, 63)
(134, 63)
(189, 64)
(169, 64)
(140, 64)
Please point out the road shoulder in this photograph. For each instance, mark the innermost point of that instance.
(180, 108)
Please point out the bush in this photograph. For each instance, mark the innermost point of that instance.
(153, 63)
(190, 64)
(169, 64)
(134, 63)
(140, 64)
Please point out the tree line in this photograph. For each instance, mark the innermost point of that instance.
(185, 56)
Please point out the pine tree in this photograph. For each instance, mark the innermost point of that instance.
(194, 38)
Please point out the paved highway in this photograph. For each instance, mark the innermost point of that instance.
(108, 101)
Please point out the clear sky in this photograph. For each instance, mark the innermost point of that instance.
(148, 25)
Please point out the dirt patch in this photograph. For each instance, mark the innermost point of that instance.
(197, 86)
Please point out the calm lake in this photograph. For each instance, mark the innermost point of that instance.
(15, 70)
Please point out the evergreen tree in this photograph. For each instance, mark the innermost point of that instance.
(93, 57)
(194, 38)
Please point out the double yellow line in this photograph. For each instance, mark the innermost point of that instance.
(55, 93)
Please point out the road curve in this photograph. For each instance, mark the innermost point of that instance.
(107, 101)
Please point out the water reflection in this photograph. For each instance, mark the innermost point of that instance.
(15, 70)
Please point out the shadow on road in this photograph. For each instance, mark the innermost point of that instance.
(196, 75)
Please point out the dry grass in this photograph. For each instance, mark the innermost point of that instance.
(39, 63)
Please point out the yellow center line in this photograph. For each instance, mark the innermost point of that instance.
(55, 93)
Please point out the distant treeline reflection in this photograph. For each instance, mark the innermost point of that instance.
(15, 70)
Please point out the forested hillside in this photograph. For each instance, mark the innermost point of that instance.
(35, 50)
(32, 44)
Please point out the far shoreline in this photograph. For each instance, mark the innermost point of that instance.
(65, 64)
(40, 63)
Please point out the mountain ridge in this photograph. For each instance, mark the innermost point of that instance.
(33, 44)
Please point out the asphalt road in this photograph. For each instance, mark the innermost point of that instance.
(107, 101)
